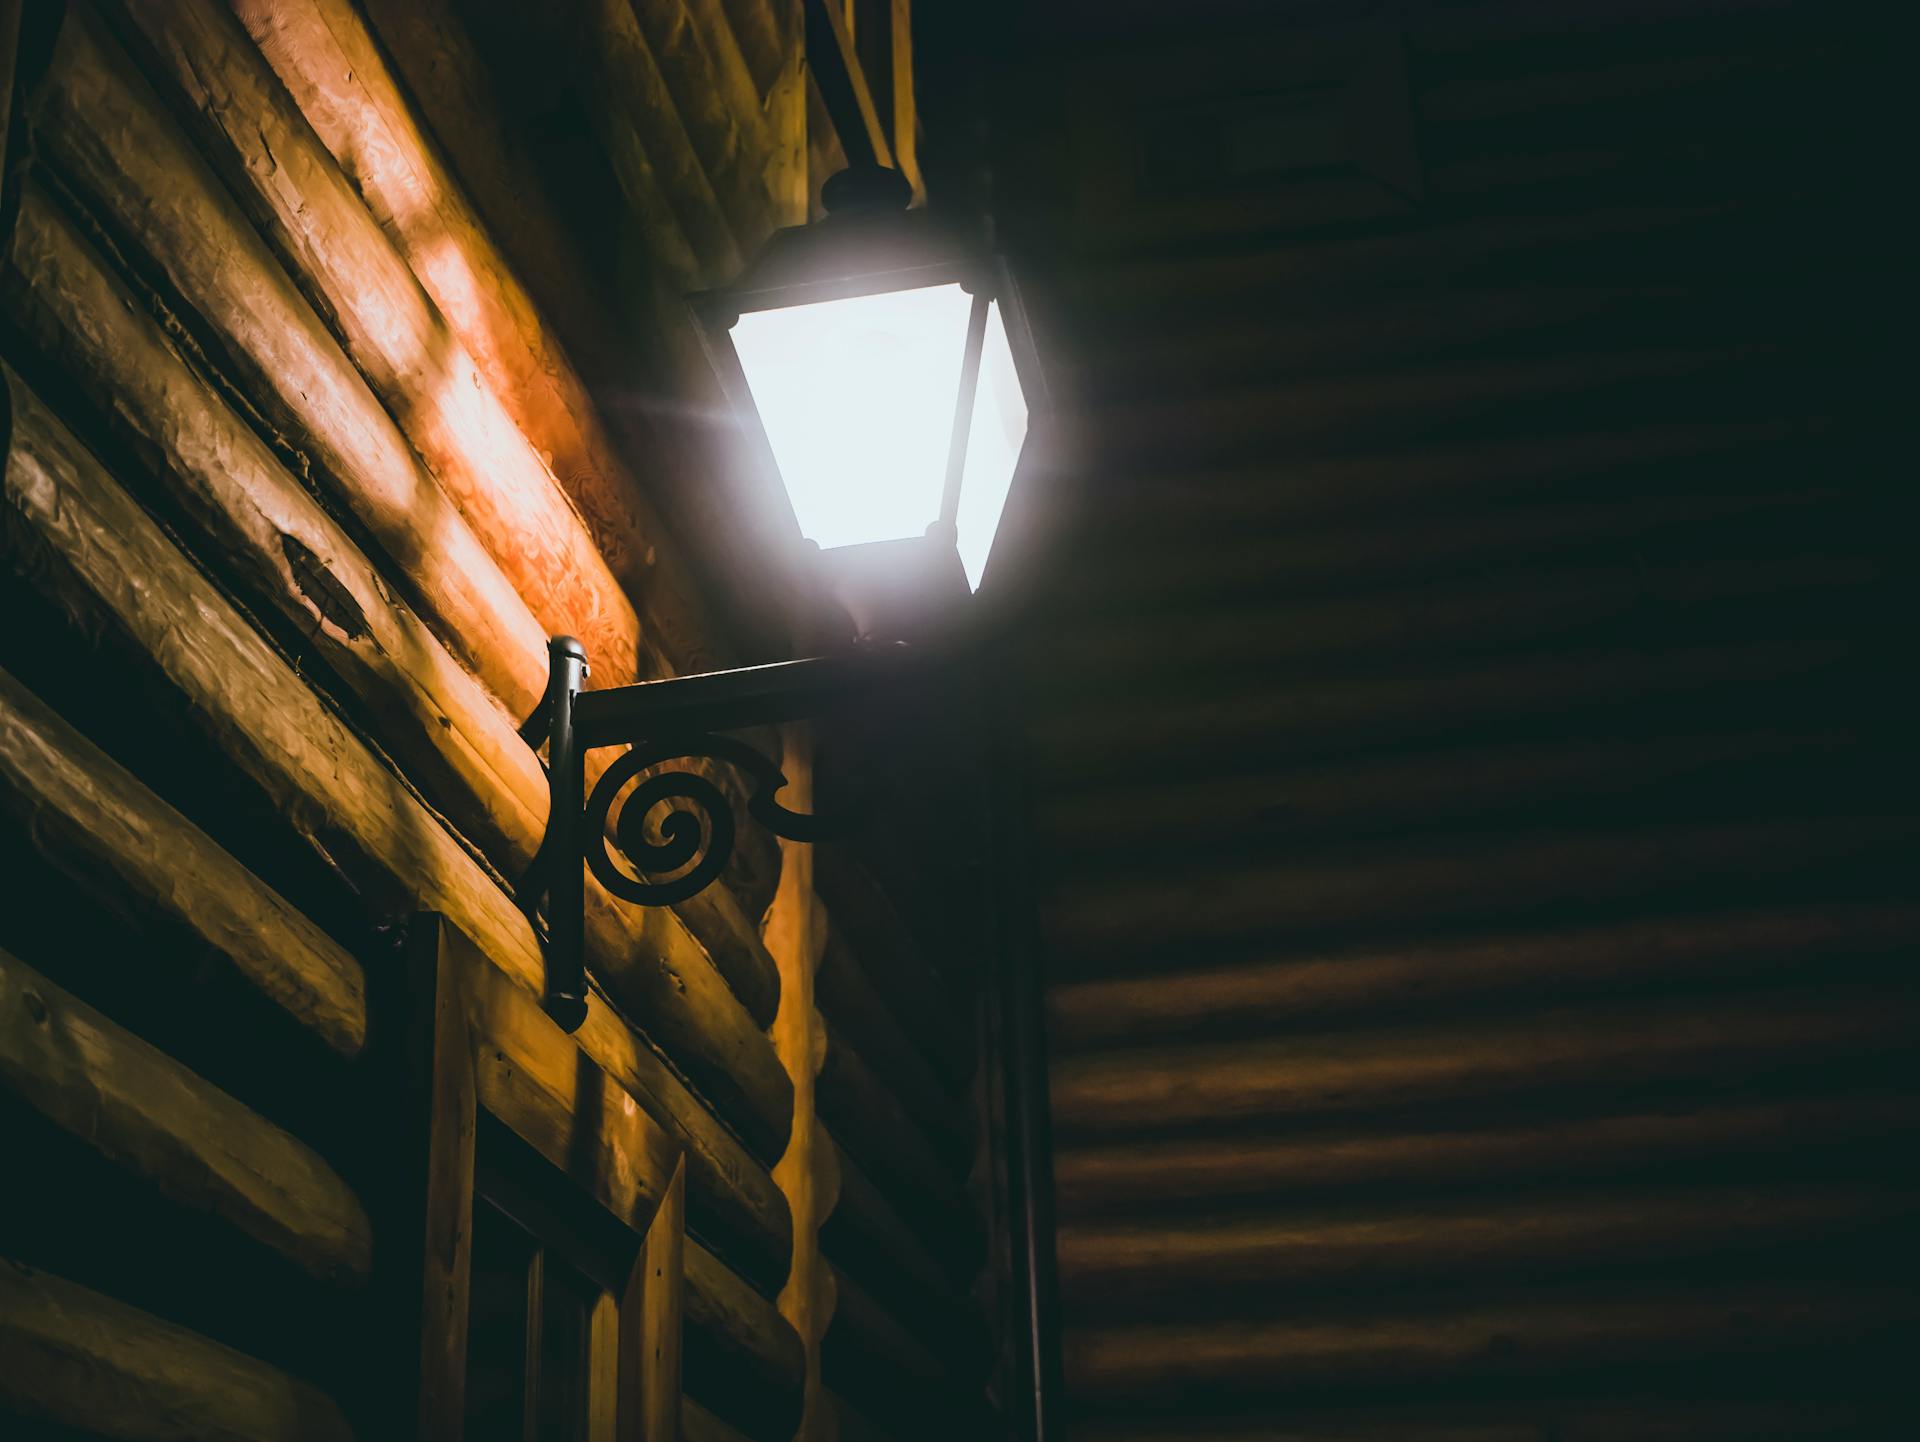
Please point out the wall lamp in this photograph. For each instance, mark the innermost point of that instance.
(884, 371)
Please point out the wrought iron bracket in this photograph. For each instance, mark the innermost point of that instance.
(660, 722)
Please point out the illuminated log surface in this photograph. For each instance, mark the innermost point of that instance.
(1555, 965)
(1611, 1048)
(103, 127)
(333, 67)
(78, 1359)
(1092, 1180)
(138, 856)
(452, 736)
(391, 330)
(116, 568)
(139, 174)
(146, 1112)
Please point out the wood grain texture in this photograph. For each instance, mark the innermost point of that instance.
(77, 1359)
(107, 131)
(652, 1320)
(140, 857)
(197, 1145)
(415, 362)
(337, 73)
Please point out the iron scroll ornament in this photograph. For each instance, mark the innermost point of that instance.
(680, 827)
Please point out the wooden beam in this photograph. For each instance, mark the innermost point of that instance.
(1124, 1364)
(138, 856)
(1141, 1090)
(1171, 1263)
(116, 567)
(77, 1359)
(200, 1147)
(440, 1143)
(651, 1322)
(1110, 1178)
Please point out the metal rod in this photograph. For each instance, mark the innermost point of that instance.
(748, 696)
(963, 410)
(566, 995)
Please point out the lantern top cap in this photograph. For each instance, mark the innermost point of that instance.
(868, 243)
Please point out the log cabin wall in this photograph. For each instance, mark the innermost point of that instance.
(1474, 749)
(343, 363)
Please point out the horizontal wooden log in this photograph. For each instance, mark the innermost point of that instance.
(1676, 600)
(258, 140)
(854, 1008)
(331, 63)
(197, 1145)
(1279, 1358)
(742, 1359)
(1436, 1067)
(116, 568)
(1561, 965)
(1120, 914)
(867, 1233)
(138, 856)
(1090, 1181)
(1279, 716)
(75, 1358)
(923, 1171)
(1425, 792)
(1189, 1264)
(102, 125)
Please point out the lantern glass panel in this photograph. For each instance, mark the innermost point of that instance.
(994, 437)
(857, 400)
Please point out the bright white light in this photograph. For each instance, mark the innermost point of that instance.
(857, 397)
(993, 448)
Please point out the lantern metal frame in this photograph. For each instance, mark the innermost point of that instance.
(869, 245)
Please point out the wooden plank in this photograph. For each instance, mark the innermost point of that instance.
(141, 858)
(107, 131)
(651, 1318)
(341, 79)
(78, 1359)
(197, 1145)
(441, 1143)
(118, 568)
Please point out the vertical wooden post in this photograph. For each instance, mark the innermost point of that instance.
(440, 1058)
(906, 115)
(652, 1323)
(809, 1171)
